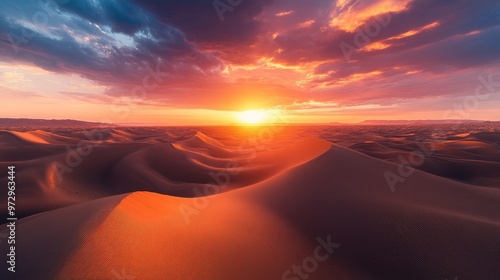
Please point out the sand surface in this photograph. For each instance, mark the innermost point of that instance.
(255, 202)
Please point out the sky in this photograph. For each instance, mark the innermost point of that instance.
(202, 62)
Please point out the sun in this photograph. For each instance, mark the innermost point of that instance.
(253, 117)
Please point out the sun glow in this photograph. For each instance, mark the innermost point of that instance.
(253, 117)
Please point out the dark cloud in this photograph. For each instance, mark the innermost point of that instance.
(81, 44)
(121, 16)
(199, 20)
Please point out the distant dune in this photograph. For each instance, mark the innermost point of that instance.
(46, 123)
(421, 122)
(254, 203)
(5, 122)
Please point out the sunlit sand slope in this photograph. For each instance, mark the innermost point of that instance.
(319, 211)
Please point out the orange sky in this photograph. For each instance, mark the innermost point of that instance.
(338, 61)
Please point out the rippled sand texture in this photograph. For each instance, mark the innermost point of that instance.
(252, 202)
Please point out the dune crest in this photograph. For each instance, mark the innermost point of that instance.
(29, 137)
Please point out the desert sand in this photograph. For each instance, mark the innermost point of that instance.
(255, 202)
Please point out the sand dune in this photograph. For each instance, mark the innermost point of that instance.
(138, 207)
(30, 137)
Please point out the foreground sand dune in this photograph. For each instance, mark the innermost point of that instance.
(166, 204)
(430, 228)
